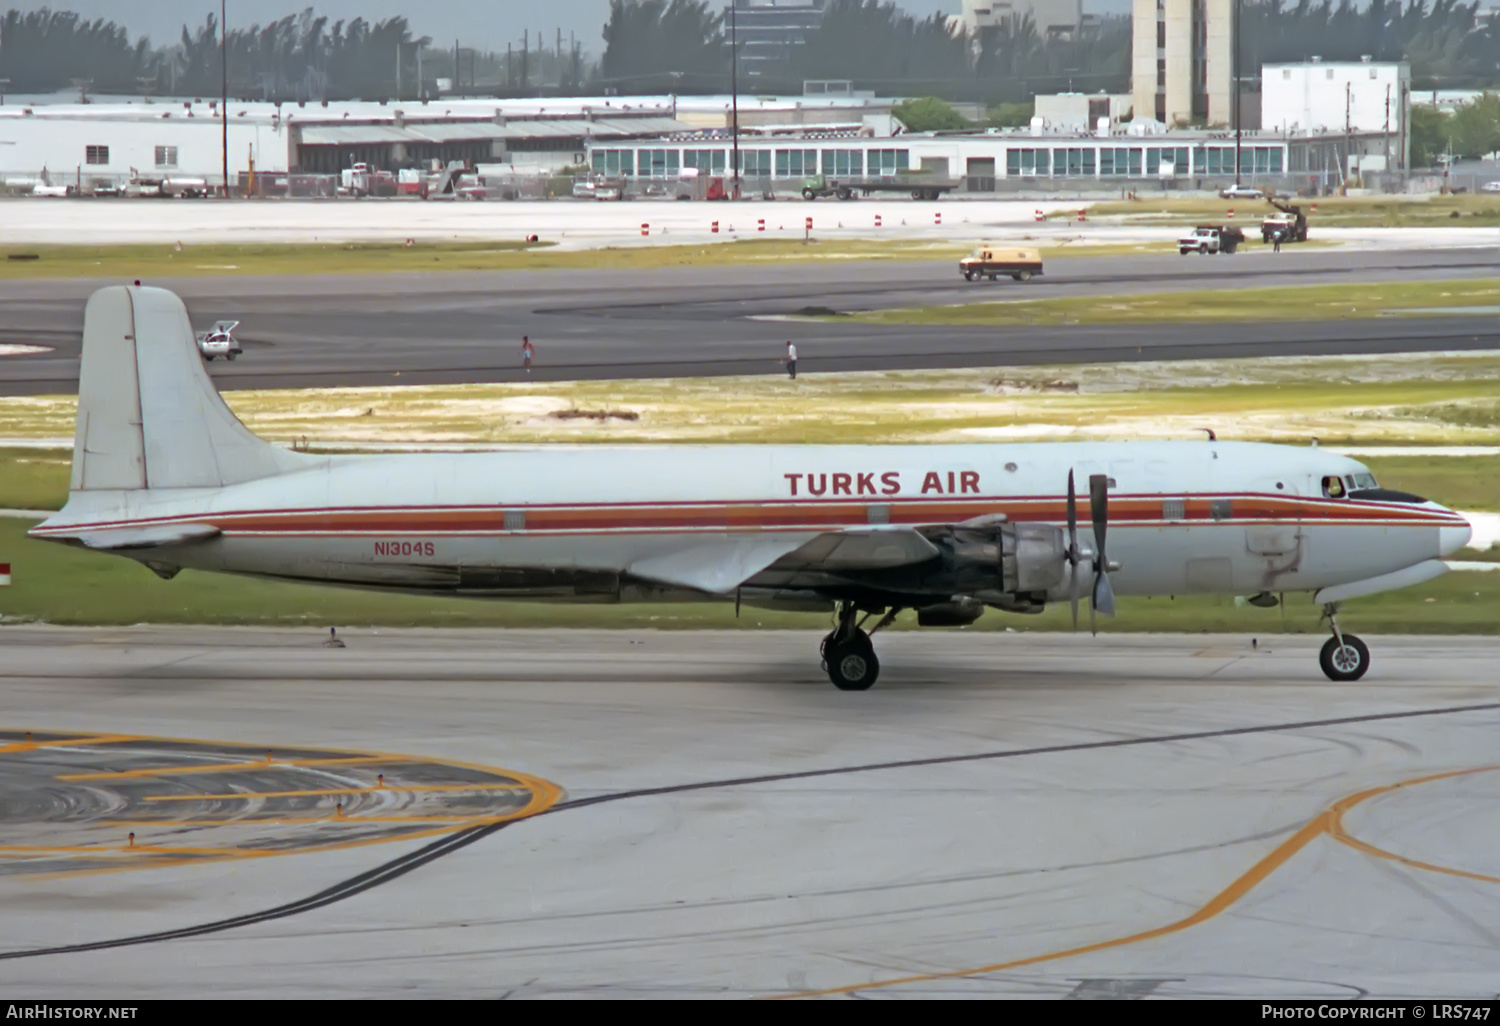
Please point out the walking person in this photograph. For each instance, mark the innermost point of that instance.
(1276, 241)
(527, 352)
(791, 360)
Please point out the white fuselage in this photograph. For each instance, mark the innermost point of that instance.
(568, 523)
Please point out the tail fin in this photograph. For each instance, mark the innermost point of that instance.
(148, 413)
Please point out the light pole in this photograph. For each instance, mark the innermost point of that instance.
(224, 90)
(1235, 100)
(734, 99)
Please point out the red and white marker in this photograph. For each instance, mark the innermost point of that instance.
(937, 217)
(760, 224)
(645, 229)
(714, 228)
(1230, 215)
(1039, 215)
(877, 220)
(4, 574)
(1083, 215)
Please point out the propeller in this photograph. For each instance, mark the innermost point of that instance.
(1102, 599)
(1073, 555)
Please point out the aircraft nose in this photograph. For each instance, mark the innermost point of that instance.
(1451, 539)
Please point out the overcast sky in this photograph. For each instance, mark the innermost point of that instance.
(486, 24)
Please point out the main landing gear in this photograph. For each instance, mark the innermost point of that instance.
(1344, 657)
(848, 653)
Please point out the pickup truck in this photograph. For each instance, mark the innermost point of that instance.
(1211, 238)
(992, 261)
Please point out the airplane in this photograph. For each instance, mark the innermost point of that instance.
(164, 473)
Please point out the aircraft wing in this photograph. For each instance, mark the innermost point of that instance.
(723, 564)
(225, 326)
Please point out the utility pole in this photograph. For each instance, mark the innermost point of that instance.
(734, 99)
(1235, 99)
(224, 88)
(1387, 127)
(525, 56)
(1349, 126)
(456, 77)
(398, 70)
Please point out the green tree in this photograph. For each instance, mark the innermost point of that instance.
(1475, 127)
(929, 114)
(659, 38)
(1010, 115)
(1429, 135)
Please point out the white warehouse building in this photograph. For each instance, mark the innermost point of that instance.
(1342, 97)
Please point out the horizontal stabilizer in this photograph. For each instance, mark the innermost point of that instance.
(145, 537)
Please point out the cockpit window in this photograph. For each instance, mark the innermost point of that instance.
(1333, 486)
(1365, 481)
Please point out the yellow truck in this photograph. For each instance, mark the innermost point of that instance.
(992, 261)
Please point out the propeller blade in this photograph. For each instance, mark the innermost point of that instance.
(1104, 595)
(1099, 513)
(1073, 592)
(1073, 547)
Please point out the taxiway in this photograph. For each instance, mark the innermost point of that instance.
(703, 816)
(466, 327)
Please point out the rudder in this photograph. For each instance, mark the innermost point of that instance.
(149, 416)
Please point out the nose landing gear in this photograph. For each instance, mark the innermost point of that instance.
(848, 654)
(1344, 657)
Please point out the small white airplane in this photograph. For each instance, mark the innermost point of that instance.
(164, 473)
(219, 341)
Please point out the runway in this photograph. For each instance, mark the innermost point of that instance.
(700, 814)
(455, 328)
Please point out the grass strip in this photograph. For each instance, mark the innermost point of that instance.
(1303, 303)
(1333, 211)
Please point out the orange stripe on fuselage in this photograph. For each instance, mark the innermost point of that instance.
(1124, 511)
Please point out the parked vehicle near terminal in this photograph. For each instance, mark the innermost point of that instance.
(1241, 192)
(992, 261)
(219, 341)
(1211, 238)
(921, 186)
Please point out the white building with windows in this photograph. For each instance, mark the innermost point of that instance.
(1051, 17)
(1342, 97)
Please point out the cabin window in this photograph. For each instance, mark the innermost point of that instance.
(1221, 509)
(1174, 509)
(515, 520)
(1333, 486)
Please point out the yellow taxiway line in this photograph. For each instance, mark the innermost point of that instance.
(1329, 822)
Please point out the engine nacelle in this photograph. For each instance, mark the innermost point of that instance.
(1011, 559)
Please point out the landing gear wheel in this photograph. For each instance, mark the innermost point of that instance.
(852, 665)
(230, 356)
(1346, 661)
